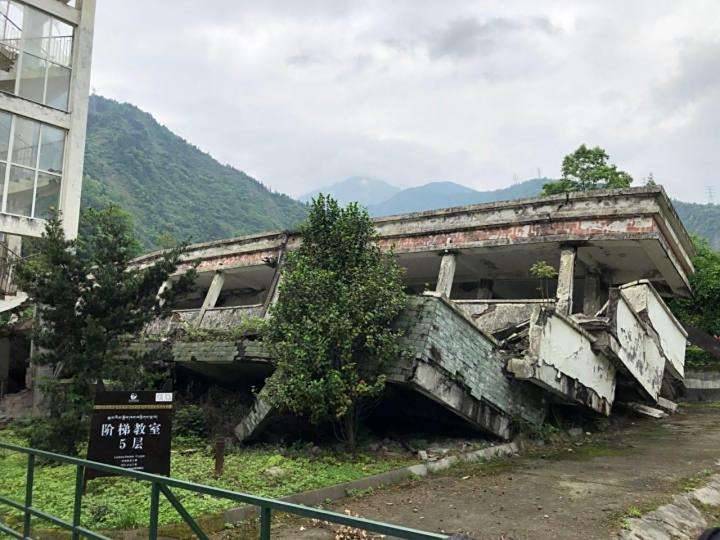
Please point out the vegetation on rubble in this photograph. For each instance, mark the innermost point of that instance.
(88, 298)
(586, 169)
(116, 503)
(330, 330)
(247, 326)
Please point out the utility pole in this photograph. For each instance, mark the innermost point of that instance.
(710, 191)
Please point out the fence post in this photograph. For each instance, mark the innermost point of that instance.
(265, 517)
(77, 508)
(28, 494)
(154, 509)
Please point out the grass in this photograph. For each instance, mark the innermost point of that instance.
(120, 503)
(697, 480)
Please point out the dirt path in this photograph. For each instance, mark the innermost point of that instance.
(577, 490)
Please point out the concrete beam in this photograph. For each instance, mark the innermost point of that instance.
(30, 109)
(58, 10)
(212, 296)
(447, 273)
(566, 276)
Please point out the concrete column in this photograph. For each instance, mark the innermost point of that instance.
(273, 294)
(212, 296)
(447, 273)
(592, 294)
(566, 275)
(78, 107)
(484, 291)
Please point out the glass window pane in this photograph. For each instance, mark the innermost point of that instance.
(58, 87)
(32, 77)
(47, 195)
(20, 191)
(36, 31)
(12, 25)
(51, 149)
(5, 121)
(25, 142)
(8, 68)
(60, 46)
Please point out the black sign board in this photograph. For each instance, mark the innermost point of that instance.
(131, 430)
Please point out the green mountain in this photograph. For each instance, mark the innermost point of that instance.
(173, 189)
(446, 194)
(170, 187)
(701, 219)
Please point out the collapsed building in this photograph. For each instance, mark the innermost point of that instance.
(485, 343)
(488, 347)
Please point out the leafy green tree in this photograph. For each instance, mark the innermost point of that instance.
(330, 331)
(586, 169)
(703, 309)
(88, 299)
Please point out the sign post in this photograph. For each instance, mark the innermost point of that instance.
(131, 430)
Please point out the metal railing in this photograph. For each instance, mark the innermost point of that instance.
(161, 485)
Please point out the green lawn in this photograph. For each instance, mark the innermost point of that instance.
(118, 503)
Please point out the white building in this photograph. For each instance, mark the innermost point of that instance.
(45, 57)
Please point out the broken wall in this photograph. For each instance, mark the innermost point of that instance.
(454, 363)
(562, 359)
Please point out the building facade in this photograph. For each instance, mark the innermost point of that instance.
(45, 57)
(45, 60)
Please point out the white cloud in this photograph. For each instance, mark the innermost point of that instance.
(302, 94)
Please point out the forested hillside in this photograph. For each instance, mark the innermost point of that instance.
(170, 187)
(701, 219)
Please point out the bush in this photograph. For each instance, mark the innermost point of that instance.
(189, 421)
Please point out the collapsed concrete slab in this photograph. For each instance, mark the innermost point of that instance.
(490, 343)
(452, 362)
(561, 358)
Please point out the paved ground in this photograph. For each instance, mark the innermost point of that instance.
(581, 489)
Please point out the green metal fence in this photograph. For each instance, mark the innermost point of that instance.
(161, 485)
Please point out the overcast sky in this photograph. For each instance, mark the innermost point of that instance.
(300, 94)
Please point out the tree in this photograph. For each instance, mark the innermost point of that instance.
(88, 300)
(703, 309)
(586, 169)
(545, 273)
(330, 331)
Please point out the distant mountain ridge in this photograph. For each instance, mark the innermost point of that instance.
(446, 194)
(170, 187)
(173, 189)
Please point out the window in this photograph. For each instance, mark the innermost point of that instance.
(35, 55)
(31, 160)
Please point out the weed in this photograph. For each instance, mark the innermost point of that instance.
(634, 511)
